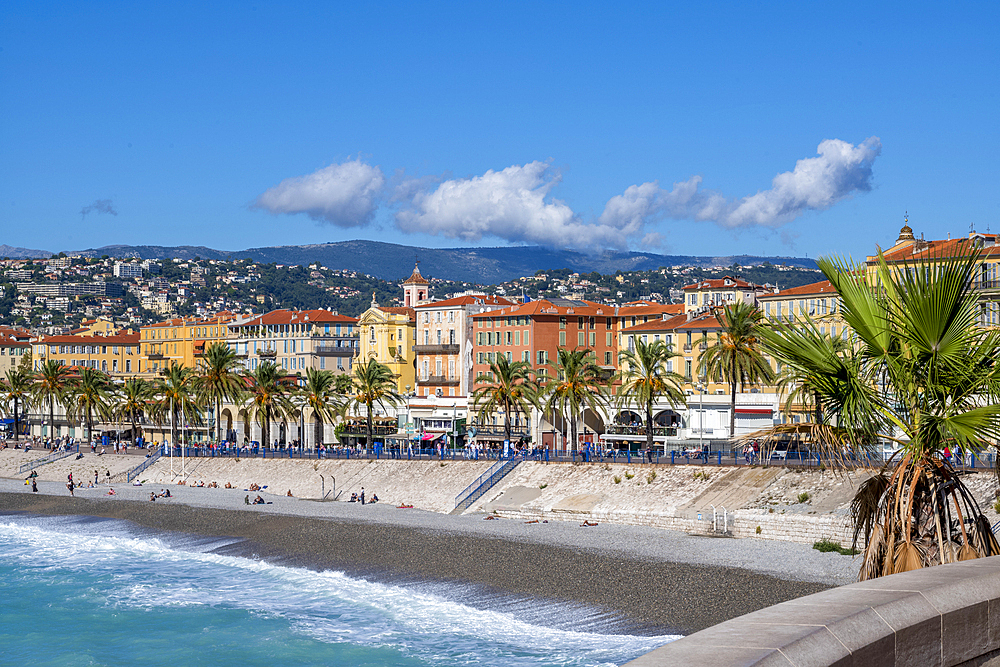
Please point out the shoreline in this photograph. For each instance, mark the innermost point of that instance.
(599, 567)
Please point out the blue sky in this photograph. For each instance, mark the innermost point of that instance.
(448, 124)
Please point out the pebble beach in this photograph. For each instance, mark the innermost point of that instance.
(654, 580)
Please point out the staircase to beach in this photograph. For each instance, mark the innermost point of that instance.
(484, 483)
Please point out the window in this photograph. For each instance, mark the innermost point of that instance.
(607, 358)
(517, 338)
(526, 357)
(562, 339)
(427, 337)
(525, 337)
(322, 363)
(128, 365)
(451, 368)
(438, 336)
(593, 339)
(451, 336)
(451, 316)
(507, 338)
(581, 339)
(541, 357)
(437, 367)
(608, 339)
(579, 323)
(562, 322)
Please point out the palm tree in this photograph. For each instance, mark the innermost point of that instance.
(50, 384)
(319, 393)
(579, 384)
(736, 355)
(268, 397)
(177, 398)
(218, 380)
(134, 401)
(645, 379)
(90, 393)
(373, 384)
(510, 386)
(920, 373)
(16, 390)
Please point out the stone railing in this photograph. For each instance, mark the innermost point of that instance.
(941, 616)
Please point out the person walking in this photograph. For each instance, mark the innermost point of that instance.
(34, 485)
(362, 495)
(95, 478)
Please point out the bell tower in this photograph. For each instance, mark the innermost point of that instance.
(415, 288)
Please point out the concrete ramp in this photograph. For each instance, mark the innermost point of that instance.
(512, 498)
(580, 503)
(843, 492)
(734, 490)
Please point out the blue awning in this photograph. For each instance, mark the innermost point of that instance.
(8, 420)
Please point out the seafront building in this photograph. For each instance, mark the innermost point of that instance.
(296, 340)
(180, 341)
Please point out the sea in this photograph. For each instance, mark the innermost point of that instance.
(88, 591)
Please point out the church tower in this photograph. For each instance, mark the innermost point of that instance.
(415, 288)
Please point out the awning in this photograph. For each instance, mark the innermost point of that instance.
(751, 412)
(430, 436)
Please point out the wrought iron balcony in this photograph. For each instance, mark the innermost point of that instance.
(444, 348)
(440, 380)
(335, 351)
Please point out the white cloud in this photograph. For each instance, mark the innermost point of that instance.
(512, 204)
(816, 184)
(346, 194)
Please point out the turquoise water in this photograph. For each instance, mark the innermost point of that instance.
(78, 591)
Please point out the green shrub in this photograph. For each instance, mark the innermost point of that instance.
(542, 486)
(618, 480)
(650, 477)
(629, 475)
(758, 530)
(828, 546)
(803, 497)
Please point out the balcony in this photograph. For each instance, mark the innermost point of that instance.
(445, 348)
(334, 351)
(687, 347)
(702, 346)
(496, 430)
(155, 355)
(441, 380)
(267, 353)
(662, 431)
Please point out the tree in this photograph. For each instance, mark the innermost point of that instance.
(268, 397)
(16, 392)
(373, 384)
(134, 401)
(578, 385)
(509, 387)
(736, 355)
(920, 373)
(218, 379)
(50, 384)
(319, 393)
(177, 398)
(645, 379)
(89, 393)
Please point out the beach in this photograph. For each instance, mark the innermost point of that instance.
(654, 580)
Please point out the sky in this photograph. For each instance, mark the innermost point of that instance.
(799, 129)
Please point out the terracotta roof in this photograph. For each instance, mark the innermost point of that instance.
(657, 325)
(415, 277)
(822, 287)
(716, 283)
(399, 310)
(565, 307)
(637, 308)
(285, 316)
(704, 322)
(119, 339)
(930, 250)
(8, 341)
(467, 300)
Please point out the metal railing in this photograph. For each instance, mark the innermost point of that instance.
(485, 482)
(150, 460)
(641, 430)
(54, 456)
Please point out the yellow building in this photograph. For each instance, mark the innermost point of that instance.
(116, 354)
(818, 301)
(388, 335)
(180, 341)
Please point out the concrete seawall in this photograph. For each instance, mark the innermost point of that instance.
(798, 505)
(935, 617)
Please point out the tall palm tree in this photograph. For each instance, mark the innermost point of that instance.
(373, 384)
(645, 379)
(90, 393)
(268, 396)
(579, 384)
(15, 390)
(177, 398)
(218, 379)
(510, 387)
(134, 401)
(50, 384)
(319, 393)
(736, 355)
(920, 373)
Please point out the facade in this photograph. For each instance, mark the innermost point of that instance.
(12, 352)
(817, 301)
(180, 341)
(718, 292)
(387, 335)
(444, 343)
(116, 354)
(297, 340)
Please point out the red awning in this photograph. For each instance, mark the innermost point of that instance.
(753, 411)
(431, 436)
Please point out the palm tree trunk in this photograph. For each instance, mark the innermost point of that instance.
(506, 420)
(17, 421)
(132, 432)
(52, 417)
(318, 439)
(218, 420)
(649, 425)
(732, 411)
(370, 429)
(90, 426)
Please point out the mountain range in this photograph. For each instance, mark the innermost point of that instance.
(391, 261)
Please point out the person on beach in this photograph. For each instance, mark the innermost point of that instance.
(95, 478)
(152, 497)
(362, 495)
(34, 485)
(69, 485)
(246, 499)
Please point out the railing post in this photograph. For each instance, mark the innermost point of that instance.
(720, 457)
(673, 456)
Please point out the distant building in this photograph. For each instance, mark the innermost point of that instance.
(130, 270)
